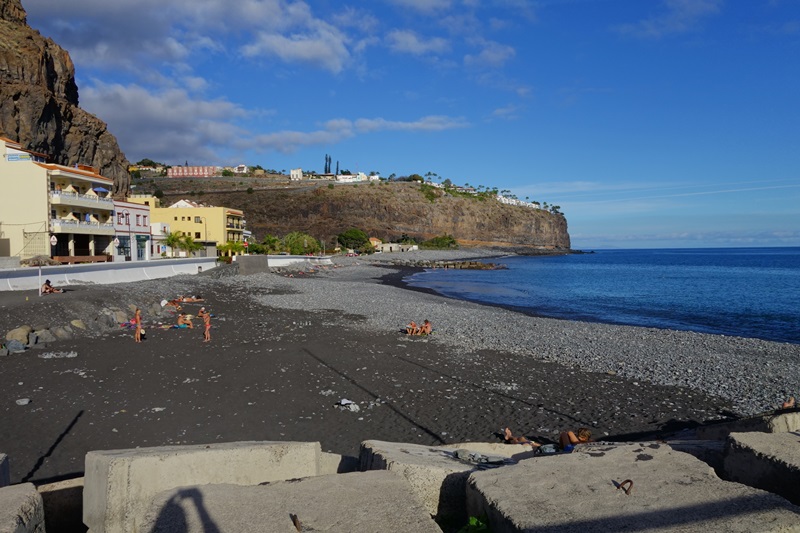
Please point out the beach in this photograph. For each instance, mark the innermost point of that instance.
(289, 348)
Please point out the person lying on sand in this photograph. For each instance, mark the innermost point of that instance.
(788, 404)
(184, 321)
(47, 288)
(569, 439)
(509, 438)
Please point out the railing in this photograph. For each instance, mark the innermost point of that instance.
(84, 223)
(77, 196)
(71, 259)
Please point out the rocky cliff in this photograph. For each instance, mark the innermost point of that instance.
(39, 102)
(389, 210)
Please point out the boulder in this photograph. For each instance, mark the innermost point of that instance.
(62, 332)
(15, 346)
(44, 335)
(19, 334)
(80, 324)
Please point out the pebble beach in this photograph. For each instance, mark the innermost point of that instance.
(287, 348)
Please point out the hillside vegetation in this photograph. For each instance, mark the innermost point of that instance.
(386, 210)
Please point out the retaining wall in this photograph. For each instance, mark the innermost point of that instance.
(29, 278)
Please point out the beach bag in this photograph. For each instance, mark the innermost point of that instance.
(547, 449)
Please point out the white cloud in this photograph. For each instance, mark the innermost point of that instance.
(406, 41)
(492, 55)
(509, 112)
(164, 125)
(680, 16)
(429, 123)
(424, 6)
(323, 47)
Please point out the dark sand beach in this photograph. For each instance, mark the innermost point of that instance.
(273, 373)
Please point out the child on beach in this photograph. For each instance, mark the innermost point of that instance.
(137, 320)
(206, 325)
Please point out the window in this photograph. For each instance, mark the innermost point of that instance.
(197, 220)
(196, 234)
(183, 219)
(176, 219)
(144, 220)
(120, 219)
(138, 220)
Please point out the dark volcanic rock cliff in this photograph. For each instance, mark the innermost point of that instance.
(389, 210)
(39, 102)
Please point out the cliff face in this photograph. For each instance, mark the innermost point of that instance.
(39, 102)
(387, 211)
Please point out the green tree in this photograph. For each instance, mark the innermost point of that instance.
(189, 245)
(272, 243)
(439, 243)
(227, 172)
(158, 193)
(299, 243)
(353, 238)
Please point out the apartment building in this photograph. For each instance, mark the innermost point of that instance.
(53, 210)
(210, 225)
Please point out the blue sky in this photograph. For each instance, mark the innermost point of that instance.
(651, 123)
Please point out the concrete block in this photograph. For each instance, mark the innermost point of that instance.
(119, 484)
(586, 491)
(437, 478)
(63, 505)
(333, 463)
(5, 470)
(769, 461)
(21, 509)
(777, 422)
(368, 501)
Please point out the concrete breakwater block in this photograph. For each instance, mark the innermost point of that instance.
(368, 501)
(5, 470)
(769, 461)
(21, 509)
(120, 484)
(778, 422)
(63, 504)
(436, 476)
(589, 491)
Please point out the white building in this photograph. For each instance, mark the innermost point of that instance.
(131, 231)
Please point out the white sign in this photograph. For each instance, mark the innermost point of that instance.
(53, 240)
(116, 242)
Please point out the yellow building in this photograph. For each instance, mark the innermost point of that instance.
(205, 224)
(53, 210)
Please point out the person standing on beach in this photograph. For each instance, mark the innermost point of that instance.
(207, 327)
(137, 320)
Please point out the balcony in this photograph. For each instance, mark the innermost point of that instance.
(73, 199)
(61, 225)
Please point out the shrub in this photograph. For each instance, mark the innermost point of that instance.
(441, 242)
(330, 185)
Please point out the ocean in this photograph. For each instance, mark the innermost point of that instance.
(745, 292)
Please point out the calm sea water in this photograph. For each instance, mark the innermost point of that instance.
(747, 292)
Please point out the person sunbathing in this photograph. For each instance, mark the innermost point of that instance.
(47, 288)
(426, 328)
(412, 328)
(569, 439)
(788, 404)
(184, 321)
(509, 438)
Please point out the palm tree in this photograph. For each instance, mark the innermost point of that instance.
(189, 245)
(173, 240)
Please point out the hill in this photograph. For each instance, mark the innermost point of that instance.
(39, 102)
(383, 210)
